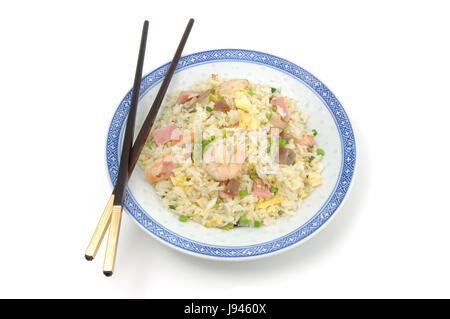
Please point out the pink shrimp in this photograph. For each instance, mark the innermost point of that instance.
(161, 169)
(305, 140)
(220, 164)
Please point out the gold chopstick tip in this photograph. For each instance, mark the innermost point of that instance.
(99, 232)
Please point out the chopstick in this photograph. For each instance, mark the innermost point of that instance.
(122, 177)
(134, 154)
(150, 119)
(111, 246)
(103, 224)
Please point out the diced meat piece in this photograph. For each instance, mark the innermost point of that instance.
(231, 189)
(279, 101)
(277, 121)
(186, 96)
(228, 86)
(261, 190)
(201, 99)
(222, 105)
(223, 194)
(166, 134)
(286, 156)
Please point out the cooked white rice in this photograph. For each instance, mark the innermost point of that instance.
(193, 194)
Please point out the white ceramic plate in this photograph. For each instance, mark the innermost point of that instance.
(326, 115)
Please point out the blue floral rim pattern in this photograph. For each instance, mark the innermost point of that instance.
(223, 55)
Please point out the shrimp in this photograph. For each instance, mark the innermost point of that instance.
(221, 161)
(306, 140)
(161, 169)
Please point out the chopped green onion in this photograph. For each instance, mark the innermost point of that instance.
(183, 218)
(273, 189)
(227, 226)
(209, 109)
(213, 138)
(251, 93)
(252, 173)
(311, 158)
(320, 151)
(219, 97)
(216, 205)
(243, 220)
(273, 90)
(243, 192)
(204, 143)
(268, 150)
(212, 91)
(172, 206)
(314, 132)
(281, 142)
(256, 223)
(274, 108)
(148, 145)
(269, 116)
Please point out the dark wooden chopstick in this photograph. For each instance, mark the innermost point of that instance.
(111, 247)
(122, 177)
(150, 119)
(104, 221)
(103, 224)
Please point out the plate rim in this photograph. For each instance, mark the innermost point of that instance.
(253, 251)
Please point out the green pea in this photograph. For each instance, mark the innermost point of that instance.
(243, 192)
(243, 220)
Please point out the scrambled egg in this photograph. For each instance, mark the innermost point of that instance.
(214, 222)
(315, 181)
(304, 195)
(178, 180)
(246, 121)
(269, 202)
(213, 98)
(241, 101)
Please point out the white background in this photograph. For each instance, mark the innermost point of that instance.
(65, 67)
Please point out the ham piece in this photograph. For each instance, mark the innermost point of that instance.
(186, 96)
(279, 101)
(166, 134)
(231, 189)
(261, 190)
